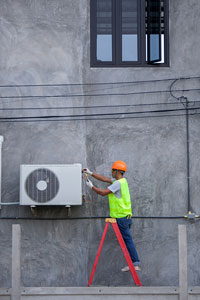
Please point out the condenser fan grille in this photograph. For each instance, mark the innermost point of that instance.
(42, 185)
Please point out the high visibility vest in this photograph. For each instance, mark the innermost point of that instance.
(120, 207)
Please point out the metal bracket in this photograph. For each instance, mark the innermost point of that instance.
(34, 210)
(69, 213)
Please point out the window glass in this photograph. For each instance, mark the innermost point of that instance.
(154, 30)
(162, 49)
(129, 30)
(162, 29)
(104, 30)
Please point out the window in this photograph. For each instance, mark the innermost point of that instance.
(129, 33)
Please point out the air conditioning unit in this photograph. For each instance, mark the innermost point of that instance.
(50, 185)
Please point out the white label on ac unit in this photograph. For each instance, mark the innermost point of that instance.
(41, 185)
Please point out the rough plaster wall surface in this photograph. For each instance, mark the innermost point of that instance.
(48, 42)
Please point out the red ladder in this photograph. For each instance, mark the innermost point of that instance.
(123, 247)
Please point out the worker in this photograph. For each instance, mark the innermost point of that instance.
(120, 205)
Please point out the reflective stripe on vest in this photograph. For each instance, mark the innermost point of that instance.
(120, 207)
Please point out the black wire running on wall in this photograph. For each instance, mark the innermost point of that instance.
(90, 217)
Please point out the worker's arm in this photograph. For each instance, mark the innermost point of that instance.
(100, 191)
(96, 189)
(98, 176)
(102, 178)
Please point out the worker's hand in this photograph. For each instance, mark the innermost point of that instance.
(89, 183)
(86, 170)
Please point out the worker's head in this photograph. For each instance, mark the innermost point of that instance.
(118, 167)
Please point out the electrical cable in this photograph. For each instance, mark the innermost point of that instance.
(97, 115)
(177, 98)
(95, 119)
(93, 106)
(96, 95)
(99, 83)
(90, 217)
(184, 101)
(107, 88)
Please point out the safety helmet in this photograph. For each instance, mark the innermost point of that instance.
(119, 165)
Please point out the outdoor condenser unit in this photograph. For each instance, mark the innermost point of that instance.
(50, 185)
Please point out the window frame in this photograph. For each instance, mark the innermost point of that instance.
(116, 41)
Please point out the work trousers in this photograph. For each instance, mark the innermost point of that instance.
(124, 225)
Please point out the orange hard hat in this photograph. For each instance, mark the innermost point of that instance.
(119, 165)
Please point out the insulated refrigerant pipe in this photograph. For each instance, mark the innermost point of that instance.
(1, 142)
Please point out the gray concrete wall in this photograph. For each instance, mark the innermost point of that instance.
(48, 42)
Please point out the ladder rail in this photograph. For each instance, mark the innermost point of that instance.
(126, 254)
(98, 254)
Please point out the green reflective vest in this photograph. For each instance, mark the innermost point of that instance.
(120, 208)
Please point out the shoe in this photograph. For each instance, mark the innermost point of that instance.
(125, 269)
(137, 268)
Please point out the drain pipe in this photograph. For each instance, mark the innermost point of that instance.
(1, 142)
(188, 154)
(11, 203)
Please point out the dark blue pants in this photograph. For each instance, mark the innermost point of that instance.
(124, 225)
